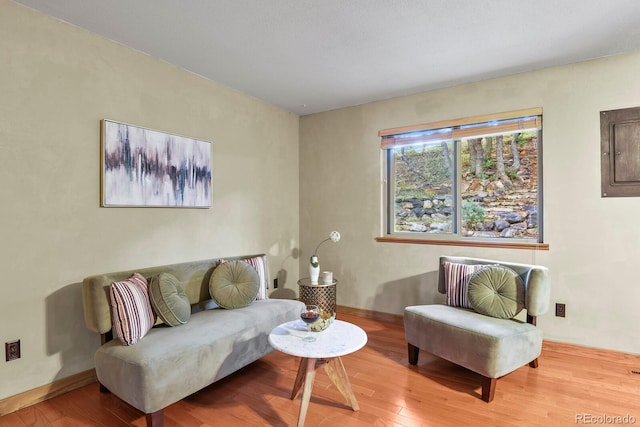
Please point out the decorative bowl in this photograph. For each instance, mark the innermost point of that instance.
(325, 320)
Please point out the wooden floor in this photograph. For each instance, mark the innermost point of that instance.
(571, 382)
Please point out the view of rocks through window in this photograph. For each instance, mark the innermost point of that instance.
(499, 187)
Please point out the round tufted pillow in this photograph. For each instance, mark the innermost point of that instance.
(234, 284)
(496, 291)
(168, 299)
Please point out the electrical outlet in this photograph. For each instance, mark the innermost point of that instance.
(12, 350)
(560, 310)
(275, 283)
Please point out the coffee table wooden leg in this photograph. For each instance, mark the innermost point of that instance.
(338, 375)
(308, 385)
(302, 372)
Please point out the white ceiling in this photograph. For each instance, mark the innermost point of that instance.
(309, 56)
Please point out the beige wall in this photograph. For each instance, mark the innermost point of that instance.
(595, 242)
(56, 83)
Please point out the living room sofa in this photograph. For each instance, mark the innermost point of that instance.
(171, 363)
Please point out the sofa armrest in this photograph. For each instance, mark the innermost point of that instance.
(95, 301)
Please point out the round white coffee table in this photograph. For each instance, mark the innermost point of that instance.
(337, 340)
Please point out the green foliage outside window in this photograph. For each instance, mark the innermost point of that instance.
(472, 214)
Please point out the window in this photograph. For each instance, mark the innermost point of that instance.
(467, 180)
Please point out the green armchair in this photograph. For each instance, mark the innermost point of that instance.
(490, 346)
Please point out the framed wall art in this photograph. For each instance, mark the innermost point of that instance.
(148, 168)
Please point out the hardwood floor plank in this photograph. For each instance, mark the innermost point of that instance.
(570, 381)
(12, 420)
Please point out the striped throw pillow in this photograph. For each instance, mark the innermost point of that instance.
(456, 280)
(132, 314)
(259, 263)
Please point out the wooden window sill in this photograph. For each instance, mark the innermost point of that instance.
(469, 243)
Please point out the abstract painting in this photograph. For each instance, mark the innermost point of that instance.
(147, 168)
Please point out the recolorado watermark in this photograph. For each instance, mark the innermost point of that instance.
(605, 419)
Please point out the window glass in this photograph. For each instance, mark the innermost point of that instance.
(424, 188)
(484, 186)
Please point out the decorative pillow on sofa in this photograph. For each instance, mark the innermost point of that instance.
(496, 291)
(132, 314)
(259, 263)
(456, 279)
(234, 284)
(168, 299)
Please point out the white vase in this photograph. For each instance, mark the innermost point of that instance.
(314, 272)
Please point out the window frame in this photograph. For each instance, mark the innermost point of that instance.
(455, 238)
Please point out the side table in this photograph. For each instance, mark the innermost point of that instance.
(340, 339)
(323, 294)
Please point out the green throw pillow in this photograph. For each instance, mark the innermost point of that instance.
(496, 291)
(168, 299)
(234, 284)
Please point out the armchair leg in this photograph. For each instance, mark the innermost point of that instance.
(488, 388)
(103, 389)
(413, 354)
(155, 419)
(534, 363)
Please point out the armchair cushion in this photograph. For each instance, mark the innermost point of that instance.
(496, 291)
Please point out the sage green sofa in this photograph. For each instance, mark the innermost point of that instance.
(171, 363)
(490, 346)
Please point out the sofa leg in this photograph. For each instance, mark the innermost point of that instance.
(155, 419)
(488, 388)
(413, 354)
(103, 389)
(534, 363)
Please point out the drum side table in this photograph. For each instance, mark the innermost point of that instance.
(323, 294)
